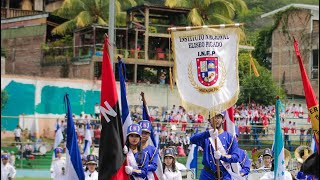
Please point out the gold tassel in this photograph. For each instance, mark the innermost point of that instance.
(171, 79)
(255, 71)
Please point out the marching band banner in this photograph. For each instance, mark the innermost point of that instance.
(206, 68)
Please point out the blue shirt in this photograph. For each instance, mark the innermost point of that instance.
(230, 144)
(244, 162)
(142, 164)
(153, 155)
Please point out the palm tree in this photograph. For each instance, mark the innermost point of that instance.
(81, 13)
(209, 11)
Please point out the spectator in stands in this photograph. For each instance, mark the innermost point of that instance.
(97, 111)
(302, 130)
(97, 134)
(17, 134)
(300, 111)
(293, 128)
(80, 134)
(286, 135)
(309, 137)
(162, 78)
(28, 149)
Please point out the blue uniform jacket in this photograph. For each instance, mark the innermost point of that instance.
(142, 165)
(229, 143)
(244, 162)
(153, 155)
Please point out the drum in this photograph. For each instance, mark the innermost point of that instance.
(42, 149)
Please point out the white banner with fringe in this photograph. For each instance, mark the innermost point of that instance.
(206, 68)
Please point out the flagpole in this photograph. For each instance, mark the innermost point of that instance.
(216, 146)
(111, 31)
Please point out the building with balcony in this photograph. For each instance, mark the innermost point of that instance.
(299, 21)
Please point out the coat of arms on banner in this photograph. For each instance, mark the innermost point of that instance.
(207, 68)
(211, 74)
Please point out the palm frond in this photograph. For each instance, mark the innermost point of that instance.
(219, 19)
(118, 7)
(83, 19)
(172, 3)
(240, 5)
(70, 8)
(65, 27)
(101, 21)
(195, 17)
(222, 7)
(121, 19)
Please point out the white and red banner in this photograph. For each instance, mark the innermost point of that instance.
(206, 68)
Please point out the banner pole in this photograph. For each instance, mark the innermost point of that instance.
(205, 26)
(216, 146)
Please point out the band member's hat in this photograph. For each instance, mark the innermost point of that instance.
(267, 152)
(134, 129)
(91, 159)
(145, 125)
(169, 152)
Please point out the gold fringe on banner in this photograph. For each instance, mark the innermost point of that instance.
(171, 79)
(255, 71)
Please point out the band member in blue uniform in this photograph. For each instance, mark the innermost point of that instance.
(244, 161)
(227, 150)
(152, 152)
(138, 160)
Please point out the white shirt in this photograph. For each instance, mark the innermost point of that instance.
(97, 109)
(270, 176)
(180, 166)
(17, 132)
(56, 169)
(7, 171)
(170, 175)
(91, 176)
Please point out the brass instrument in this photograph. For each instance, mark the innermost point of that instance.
(302, 153)
(287, 156)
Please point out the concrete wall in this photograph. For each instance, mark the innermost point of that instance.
(44, 96)
(298, 24)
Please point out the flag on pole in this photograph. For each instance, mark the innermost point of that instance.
(125, 113)
(279, 163)
(192, 160)
(87, 140)
(311, 99)
(145, 116)
(74, 169)
(57, 138)
(229, 124)
(255, 71)
(111, 158)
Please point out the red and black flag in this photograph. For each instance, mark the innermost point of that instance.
(111, 158)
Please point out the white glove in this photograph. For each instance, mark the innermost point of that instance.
(125, 149)
(213, 133)
(217, 154)
(128, 169)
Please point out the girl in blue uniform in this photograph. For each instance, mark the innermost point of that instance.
(137, 160)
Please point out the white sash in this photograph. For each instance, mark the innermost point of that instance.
(226, 165)
(133, 163)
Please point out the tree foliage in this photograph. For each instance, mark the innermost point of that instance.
(262, 89)
(4, 98)
(81, 13)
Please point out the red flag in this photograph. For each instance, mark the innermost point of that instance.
(111, 158)
(229, 124)
(311, 99)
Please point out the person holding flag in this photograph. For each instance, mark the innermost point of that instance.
(226, 153)
(170, 171)
(137, 159)
(151, 151)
